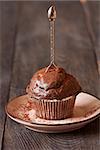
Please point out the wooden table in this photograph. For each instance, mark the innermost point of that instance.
(24, 48)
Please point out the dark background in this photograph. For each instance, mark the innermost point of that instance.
(25, 48)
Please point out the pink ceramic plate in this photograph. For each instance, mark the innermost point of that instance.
(21, 110)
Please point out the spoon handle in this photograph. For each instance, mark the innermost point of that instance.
(52, 17)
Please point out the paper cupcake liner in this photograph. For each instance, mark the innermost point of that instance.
(55, 109)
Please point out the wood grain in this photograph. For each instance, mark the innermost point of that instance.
(73, 52)
(7, 36)
(95, 20)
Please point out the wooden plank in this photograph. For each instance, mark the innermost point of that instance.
(94, 8)
(7, 37)
(73, 52)
(92, 17)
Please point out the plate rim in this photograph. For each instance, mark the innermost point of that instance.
(18, 120)
(49, 125)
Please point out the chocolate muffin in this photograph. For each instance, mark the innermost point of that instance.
(53, 92)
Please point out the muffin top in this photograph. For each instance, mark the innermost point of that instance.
(52, 83)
